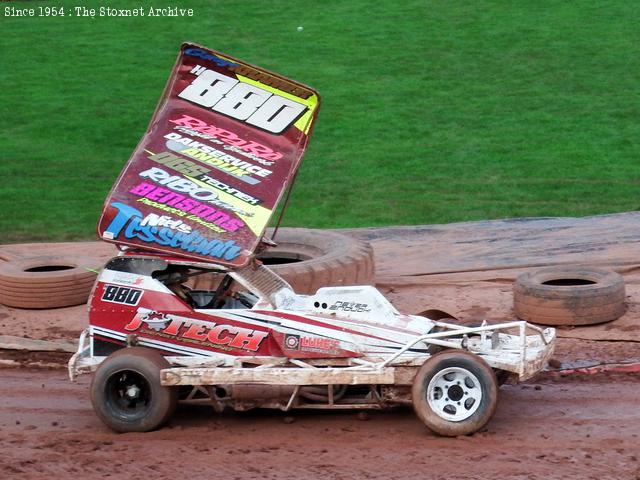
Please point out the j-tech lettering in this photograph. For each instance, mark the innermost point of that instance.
(206, 332)
(242, 101)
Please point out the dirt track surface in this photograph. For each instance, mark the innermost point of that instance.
(585, 429)
(582, 427)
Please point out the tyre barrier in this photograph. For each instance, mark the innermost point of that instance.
(310, 259)
(569, 296)
(46, 281)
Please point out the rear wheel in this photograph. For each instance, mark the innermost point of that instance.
(126, 392)
(455, 393)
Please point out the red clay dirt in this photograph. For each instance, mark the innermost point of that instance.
(555, 427)
(585, 429)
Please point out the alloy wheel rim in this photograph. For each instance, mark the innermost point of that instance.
(454, 394)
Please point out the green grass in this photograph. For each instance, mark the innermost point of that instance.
(432, 112)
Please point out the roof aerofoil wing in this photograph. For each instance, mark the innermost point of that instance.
(223, 145)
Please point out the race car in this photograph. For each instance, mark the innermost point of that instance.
(194, 200)
(253, 342)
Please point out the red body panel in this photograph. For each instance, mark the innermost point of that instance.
(176, 328)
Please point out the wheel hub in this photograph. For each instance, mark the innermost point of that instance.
(454, 394)
(132, 392)
(128, 393)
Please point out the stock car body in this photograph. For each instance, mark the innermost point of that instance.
(253, 342)
(194, 199)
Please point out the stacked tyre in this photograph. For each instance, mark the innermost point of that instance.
(571, 295)
(325, 258)
(46, 282)
(310, 259)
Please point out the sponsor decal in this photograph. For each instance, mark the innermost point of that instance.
(179, 164)
(180, 205)
(193, 170)
(252, 73)
(242, 100)
(178, 184)
(217, 159)
(175, 211)
(314, 344)
(214, 152)
(124, 295)
(292, 342)
(189, 330)
(173, 196)
(223, 146)
(231, 148)
(310, 344)
(155, 320)
(217, 184)
(254, 216)
(350, 307)
(265, 78)
(154, 220)
(127, 279)
(197, 52)
(195, 127)
(127, 223)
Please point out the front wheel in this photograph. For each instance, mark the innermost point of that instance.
(126, 392)
(455, 393)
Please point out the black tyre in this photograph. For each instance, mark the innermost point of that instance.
(126, 392)
(455, 393)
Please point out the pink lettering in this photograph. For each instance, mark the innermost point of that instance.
(218, 218)
(196, 332)
(261, 151)
(190, 122)
(203, 210)
(172, 198)
(231, 138)
(187, 204)
(159, 192)
(232, 225)
(215, 335)
(174, 327)
(142, 189)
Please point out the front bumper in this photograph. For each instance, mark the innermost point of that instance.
(522, 354)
